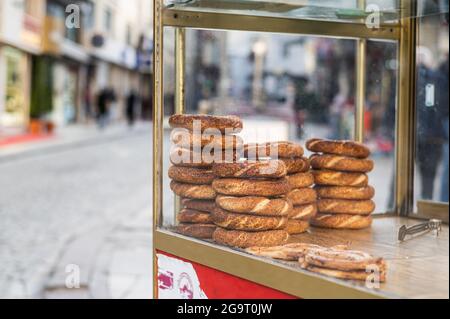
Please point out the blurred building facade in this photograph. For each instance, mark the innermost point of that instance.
(57, 55)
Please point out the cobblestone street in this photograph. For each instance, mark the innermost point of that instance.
(88, 206)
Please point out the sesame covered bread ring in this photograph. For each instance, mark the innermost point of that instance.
(273, 150)
(206, 206)
(188, 158)
(345, 260)
(303, 212)
(251, 169)
(193, 191)
(247, 187)
(295, 227)
(332, 178)
(301, 180)
(190, 216)
(200, 231)
(341, 221)
(243, 239)
(302, 196)
(188, 140)
(344, 206)
(191, 175)
(205, 122)
(296, 165)
(261, 206)
(344, 148)
(341, 163)
(345, 192)
(247, 222)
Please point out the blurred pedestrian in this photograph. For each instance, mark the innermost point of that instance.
(132, 100)
(444, 106)
(430, 129)
(103, 107)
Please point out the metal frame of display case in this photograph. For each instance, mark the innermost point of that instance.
(403, 32)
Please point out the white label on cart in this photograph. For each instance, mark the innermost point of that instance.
(177, 279)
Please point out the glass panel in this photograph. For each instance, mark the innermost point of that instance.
(288, 87)
(342, 10)
(431, 178)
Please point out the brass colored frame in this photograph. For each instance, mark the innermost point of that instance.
(230, 261)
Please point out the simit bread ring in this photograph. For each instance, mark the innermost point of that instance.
(242, 239)
(251, 169)
(190, 216)
(274, 150)
(294, 226)
(345, 206)
(247, 222)
(193, 191)
(341, 221)
(188, 158)
(332, 178)
(201, 231)
(244, 187)
(207, 206)
(341, 163)
(186, 139)
(302, 196)
(346, 192)
(205, 122)
(191, 175)
(303, 212)
(345, 260)
(347, 275)
(344, 148)
(255, 205)
(301, 180)
(296, 165)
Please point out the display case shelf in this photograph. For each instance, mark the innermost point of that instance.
(280, 17)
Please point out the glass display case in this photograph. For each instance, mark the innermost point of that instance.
(294, 70)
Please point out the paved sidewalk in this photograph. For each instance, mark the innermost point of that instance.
(72, 137)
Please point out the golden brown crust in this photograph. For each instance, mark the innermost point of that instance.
(273, 150)
(344, 148)
(188, 158)
(191, 175)
(251, 169)
(332, 178)
(255, 205)
(244, 187)
(341, 221)
(347, 275)
(204, 122)
(201, 231)
(190, 216)
(288, 252)
(247, 222)
(345, 192)
(341, 163)
(188, 140)
(242, 239)
(345, 206)
(207, 206)
(295, 226)
(345, 260)
(301, 180)
(303, 212)
(296, 165)
(302, 196)
(193, 191)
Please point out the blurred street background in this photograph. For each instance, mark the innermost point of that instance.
(76, 131)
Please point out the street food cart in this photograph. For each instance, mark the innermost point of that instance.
(418, 266)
